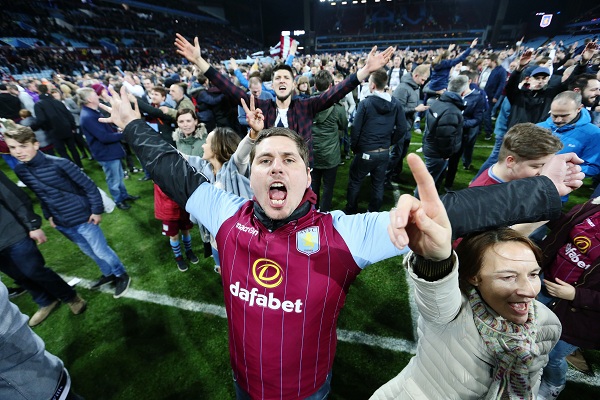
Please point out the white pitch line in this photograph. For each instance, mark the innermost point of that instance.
(353, 337)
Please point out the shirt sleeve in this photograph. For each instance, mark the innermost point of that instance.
(373, 243)
(211, 206)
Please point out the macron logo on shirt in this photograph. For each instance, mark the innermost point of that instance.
(247, 229)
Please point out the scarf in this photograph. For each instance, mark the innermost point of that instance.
(513, 346)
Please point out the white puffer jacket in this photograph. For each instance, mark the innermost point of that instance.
(452, 360)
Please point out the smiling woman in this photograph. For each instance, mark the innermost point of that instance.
(481, 318)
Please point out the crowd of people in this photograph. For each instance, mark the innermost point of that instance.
(259, 180)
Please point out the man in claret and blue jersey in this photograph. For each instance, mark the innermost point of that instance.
(286, 267)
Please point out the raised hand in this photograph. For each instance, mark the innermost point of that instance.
(474, 43)
(232, 64)
(421, 224)
(254, 117)
(375, 61)
(191, 52)
(525, 58)
(590, 49)
(120, 109)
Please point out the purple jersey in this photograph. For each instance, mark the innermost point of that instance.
(284, 289)
(287, 288)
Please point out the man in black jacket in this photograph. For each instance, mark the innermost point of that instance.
(444, 126)
(20, 229)
(53, 117)
(9, 104)
(379, 122)
(531, 102)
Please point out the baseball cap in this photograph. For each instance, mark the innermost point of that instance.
(540, 71)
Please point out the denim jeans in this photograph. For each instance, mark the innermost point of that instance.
(397, 155)
(376, 165)
(24, 263)
(497, 105)
(91, 241)
(328, 176)
(468, 145)
(555, 372)
(320, 394)
(114, 179)
(436, 167)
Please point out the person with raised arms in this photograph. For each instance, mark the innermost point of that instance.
(296, 264)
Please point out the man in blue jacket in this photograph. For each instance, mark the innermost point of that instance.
(70, 201)
(572, 123)
(20, 258)
(105, 145)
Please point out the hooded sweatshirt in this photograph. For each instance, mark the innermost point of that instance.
(379, 123)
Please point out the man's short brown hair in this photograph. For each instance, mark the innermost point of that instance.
(528, 141)
(22, 134)
(161, 90)
(379, 78)
(301, 145)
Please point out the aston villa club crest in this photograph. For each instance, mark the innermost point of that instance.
(307, 240)
(545, 21)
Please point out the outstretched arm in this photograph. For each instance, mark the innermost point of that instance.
(168, 169)
(481, 208)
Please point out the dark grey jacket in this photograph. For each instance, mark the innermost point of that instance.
(407, 92)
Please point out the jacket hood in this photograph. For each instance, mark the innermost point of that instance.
(451, 97)
(408, 79)
(382, 103)
(200, 133)
(583, 119)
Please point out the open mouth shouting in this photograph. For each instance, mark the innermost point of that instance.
(277, 194)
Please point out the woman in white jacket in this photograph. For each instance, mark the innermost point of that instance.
(481, 332)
